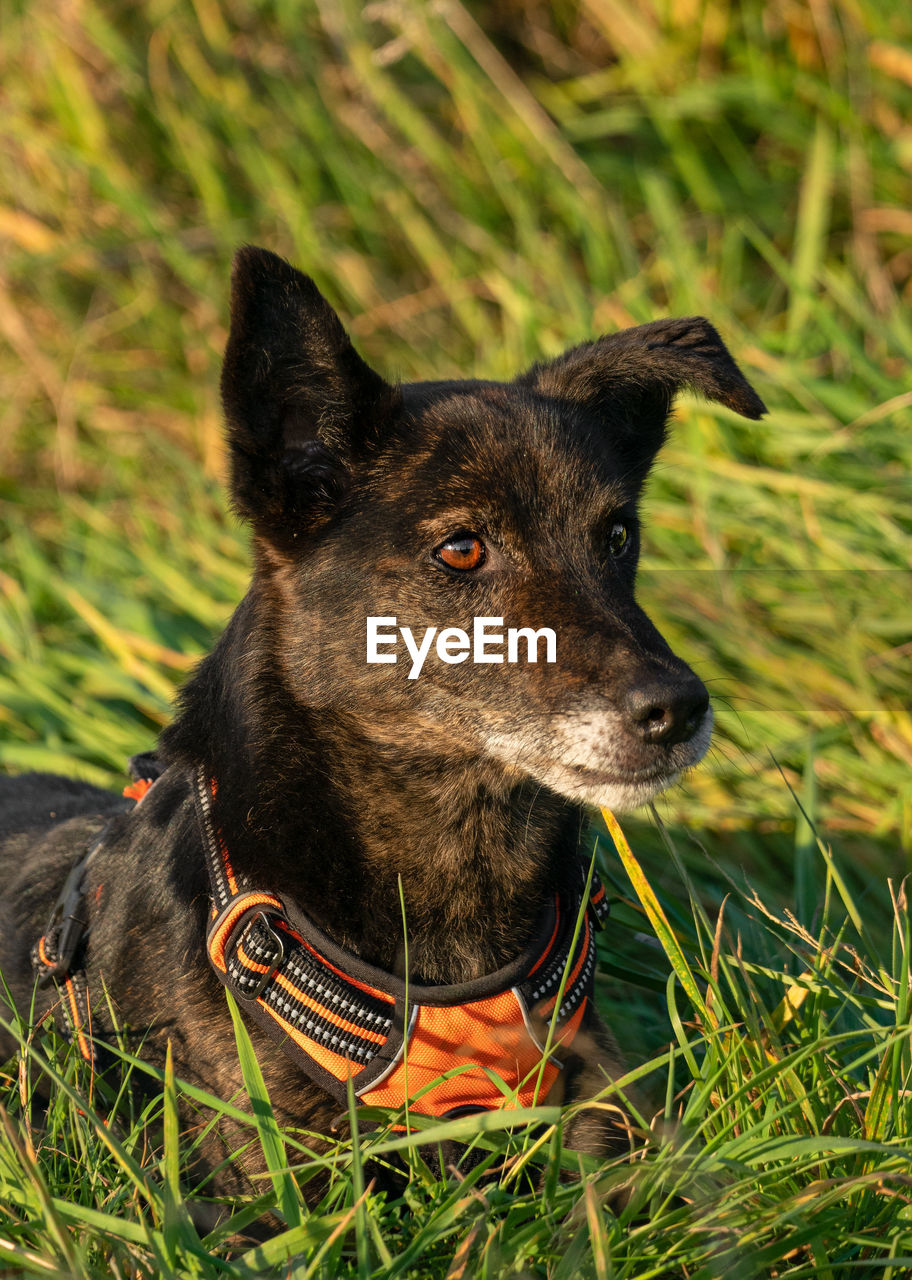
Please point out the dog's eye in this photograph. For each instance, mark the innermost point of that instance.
(463, 551)
(618, 539)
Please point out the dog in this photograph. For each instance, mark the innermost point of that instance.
(313, 818)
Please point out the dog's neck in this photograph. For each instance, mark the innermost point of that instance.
(336, 812)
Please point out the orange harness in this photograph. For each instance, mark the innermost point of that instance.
(445, 1050)
(448, 1049)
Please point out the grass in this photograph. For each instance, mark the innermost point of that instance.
(475, 187)
(782, 1148)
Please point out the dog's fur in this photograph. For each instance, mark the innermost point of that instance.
(336, 777)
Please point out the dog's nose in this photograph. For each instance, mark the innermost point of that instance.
(667, 712)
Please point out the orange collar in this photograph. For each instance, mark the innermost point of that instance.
(471, 1046)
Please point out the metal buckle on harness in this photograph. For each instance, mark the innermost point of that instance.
(70, 928)
(252, 988)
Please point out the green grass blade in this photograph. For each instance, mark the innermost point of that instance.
(656, 915)
(288, 1198)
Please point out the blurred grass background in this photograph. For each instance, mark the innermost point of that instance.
(475, 186)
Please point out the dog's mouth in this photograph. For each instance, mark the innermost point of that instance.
(660, 778)
(617, 788)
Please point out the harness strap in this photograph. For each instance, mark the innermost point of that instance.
(337, 1017)
(58, 955)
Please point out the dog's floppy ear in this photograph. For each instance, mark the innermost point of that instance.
(628, 380)
(300, 402)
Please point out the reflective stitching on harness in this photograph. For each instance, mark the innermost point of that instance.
(394, 1064)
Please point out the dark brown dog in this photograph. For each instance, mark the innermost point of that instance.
(434, 503)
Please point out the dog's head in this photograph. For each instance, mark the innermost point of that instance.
(438, 503)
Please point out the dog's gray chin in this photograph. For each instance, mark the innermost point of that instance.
(619, 794)
(621, 798)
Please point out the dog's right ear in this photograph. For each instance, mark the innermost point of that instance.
(300, 402)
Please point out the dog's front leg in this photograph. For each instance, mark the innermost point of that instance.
(605, 1130)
